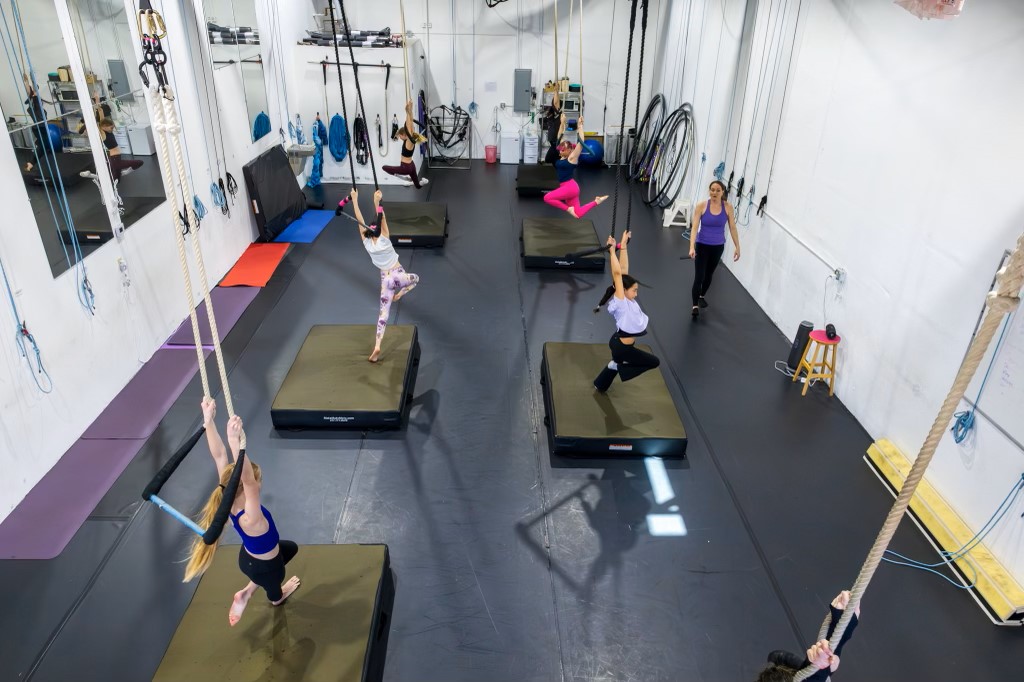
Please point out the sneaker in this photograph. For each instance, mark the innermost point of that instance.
(88, 175)
(424, 181)
(703, 302)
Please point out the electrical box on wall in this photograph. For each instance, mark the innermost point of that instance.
(523, 93)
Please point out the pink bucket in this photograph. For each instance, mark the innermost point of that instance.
(491, 153)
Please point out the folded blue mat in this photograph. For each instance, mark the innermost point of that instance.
(307, 228)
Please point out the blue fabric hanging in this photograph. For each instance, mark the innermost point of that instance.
(338, 138)
(261, 126)
(320, 139)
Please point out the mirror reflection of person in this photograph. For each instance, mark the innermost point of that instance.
(101, 110)
(40, 129)
(118, 166)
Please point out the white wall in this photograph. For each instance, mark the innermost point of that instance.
(91, 357)
(490, 43)
(897, 142)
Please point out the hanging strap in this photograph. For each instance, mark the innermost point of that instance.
(405, 51)
(639, 91)
(341, 87)
(359, 91)
(622, 124)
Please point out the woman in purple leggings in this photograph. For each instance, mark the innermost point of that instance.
(395, 282)
(567, 196)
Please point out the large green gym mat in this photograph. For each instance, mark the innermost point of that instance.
(417, 223)
(332, 385)
(636, 417)
(334, 627)
(550, 243)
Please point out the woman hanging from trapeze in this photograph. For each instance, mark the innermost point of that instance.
(263, 554)
(395, 282)
(567, 196)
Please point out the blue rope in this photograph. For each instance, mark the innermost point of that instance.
(964, 421)
(85, 293)
(966, 548)
(22, 336)
(219, 200)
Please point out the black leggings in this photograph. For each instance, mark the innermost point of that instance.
(268, 573)
(631, 360)
(705, 260)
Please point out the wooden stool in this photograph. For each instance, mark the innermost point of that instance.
(824, 369)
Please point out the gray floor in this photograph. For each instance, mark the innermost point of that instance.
(512, 564)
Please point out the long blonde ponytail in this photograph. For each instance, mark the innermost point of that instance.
(201, 555)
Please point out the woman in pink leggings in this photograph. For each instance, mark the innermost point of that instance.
(567, 196)
(395, 282)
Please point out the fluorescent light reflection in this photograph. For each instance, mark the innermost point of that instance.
(660, 485)
(662, 525)
(665, 525)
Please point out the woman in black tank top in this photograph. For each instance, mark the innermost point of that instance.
(409, 137)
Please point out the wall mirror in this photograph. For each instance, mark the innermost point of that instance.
(235, 43)
(42, 108)
(117, 102)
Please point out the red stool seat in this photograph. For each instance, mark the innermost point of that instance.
(820, 336)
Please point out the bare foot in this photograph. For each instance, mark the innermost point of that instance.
(571, 211)
(286, 590)
(374, 355)
(238, 605)
(404, 291)
(600, 200)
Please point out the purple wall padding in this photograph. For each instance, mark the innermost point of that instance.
(45, 521)
(140, 405)
(228, 305)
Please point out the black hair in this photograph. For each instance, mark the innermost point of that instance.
(720, 184)
(627, 283)
(776, 673)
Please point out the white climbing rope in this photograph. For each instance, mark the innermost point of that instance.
(1004, 298)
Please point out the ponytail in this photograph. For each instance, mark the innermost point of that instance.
(608, 293)
(201, 554)
(627, 282)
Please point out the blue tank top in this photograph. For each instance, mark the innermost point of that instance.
(261, 544)
(564, 169)
(712, 226)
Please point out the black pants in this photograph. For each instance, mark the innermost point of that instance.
(705, 260)
(268, 573)
(631, 360)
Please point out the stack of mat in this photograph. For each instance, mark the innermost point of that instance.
(232, 35)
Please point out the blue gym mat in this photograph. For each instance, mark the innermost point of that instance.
(307, 228)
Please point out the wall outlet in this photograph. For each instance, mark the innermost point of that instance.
(840, 275)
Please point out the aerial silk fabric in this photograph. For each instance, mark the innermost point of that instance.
(319, 140)
(338, 138)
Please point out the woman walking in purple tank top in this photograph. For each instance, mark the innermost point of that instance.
(707, 241)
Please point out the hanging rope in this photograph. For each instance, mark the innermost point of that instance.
(1003, 299)
(168, 130)
(341, 87)
(359, 91)
(964, 421)
(639, 91)
(622, 124)
(405, 51)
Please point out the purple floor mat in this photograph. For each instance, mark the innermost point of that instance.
(140, 405)
(45, 521)
(228, 305)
